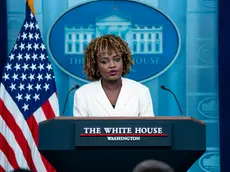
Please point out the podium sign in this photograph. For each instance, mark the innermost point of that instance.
(122, 133)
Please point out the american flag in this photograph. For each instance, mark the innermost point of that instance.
(27, 97)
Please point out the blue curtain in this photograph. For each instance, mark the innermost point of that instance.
(224, 85)
(3, 35)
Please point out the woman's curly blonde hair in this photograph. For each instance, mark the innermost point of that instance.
(107, 43)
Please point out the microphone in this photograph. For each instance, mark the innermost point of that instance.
(165, 88)
(75, 87)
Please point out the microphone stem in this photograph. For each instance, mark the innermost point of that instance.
(66, 101)
(176, 101)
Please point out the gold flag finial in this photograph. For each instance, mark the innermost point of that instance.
(31, 5)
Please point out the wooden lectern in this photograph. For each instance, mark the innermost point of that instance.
(112, 144)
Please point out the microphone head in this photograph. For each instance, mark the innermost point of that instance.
(163, 87)
(76, 86)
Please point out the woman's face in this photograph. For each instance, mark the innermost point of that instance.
(110, 66)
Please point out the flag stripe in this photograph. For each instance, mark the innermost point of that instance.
(23, 127)
(11, 160)
(49, 167)
(33, 122)
(48, 110)
(1, 168)
(33, 125)
(20, 138)
(4, 163)
(54, 102)
(13, 143)
(39, 116)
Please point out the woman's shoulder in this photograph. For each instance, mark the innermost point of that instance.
(134, 84)
(89, 86)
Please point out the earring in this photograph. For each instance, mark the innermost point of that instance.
(98, 73)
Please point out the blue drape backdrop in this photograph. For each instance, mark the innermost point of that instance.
(3, 35)
(224, 86)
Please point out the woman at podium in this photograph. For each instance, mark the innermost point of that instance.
(107, 59)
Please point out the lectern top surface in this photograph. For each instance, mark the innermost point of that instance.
(129, 118)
